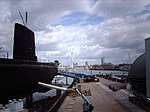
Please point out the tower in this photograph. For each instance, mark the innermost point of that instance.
(72, 59)
(102, 60)
(24, 43)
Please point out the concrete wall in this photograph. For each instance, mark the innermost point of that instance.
(147, 52)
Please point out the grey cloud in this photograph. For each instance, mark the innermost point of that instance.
(42, 13)
(120, 33)
(119, 8)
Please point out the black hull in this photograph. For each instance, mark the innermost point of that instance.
(137, 74)
(20, 80)
(19, 76)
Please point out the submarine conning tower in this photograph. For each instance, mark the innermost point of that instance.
(24, 43)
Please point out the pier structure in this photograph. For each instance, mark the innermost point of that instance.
(78, 76)
(102, 98)
(71, 74)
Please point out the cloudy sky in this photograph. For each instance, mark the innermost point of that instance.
(83, 29)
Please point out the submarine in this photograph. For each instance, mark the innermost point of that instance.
(137, 74)
(20, 75)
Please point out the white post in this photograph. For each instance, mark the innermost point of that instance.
(147, 58)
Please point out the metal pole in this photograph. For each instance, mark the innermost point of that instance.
(22, 18)
(52, 86)
(66, 80)
(87, 106)
(26, 19)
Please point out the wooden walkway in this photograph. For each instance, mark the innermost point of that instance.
(101, 99)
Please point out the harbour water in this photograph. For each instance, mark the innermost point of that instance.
(104, 72)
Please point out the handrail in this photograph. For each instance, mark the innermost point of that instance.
(87, 106)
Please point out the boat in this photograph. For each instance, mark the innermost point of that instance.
(19, 76)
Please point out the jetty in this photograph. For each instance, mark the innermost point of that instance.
(87, 95)
(90, 95)
(101, 97)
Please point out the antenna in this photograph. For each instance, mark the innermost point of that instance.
(26, 18)
(21, 18)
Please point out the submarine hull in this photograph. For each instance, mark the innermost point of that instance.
(18, 81)
(137, 74)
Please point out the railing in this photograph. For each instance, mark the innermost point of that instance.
(71, 74)
(87, 106)
(61, 99)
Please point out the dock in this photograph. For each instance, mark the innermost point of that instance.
(102, 98)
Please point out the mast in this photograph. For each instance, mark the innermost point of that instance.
(26, 19)
(22, 18)
(24, 23)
